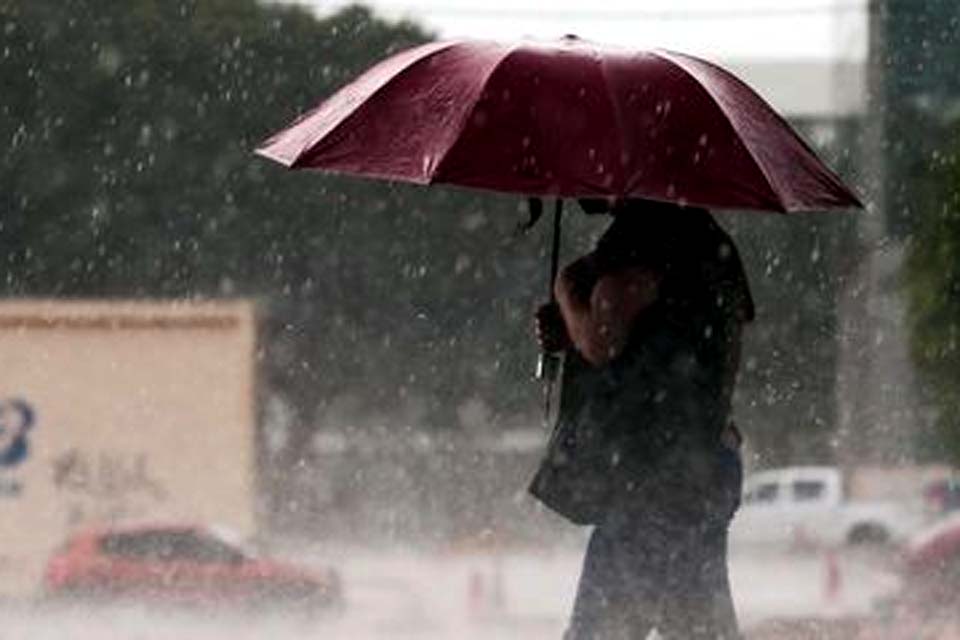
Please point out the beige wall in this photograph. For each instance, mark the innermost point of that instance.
(895, 483)
(143, 411)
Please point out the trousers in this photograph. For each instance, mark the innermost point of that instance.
(648, 568)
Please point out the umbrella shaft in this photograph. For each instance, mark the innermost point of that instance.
(548, 364)
(555, 249)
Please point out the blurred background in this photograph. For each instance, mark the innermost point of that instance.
(189, 332)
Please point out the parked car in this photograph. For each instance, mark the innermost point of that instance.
(942, 496)
(181, 564)
(926, 603)
(809, 506)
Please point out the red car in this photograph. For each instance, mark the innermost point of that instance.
(926, 603)
(186, 565)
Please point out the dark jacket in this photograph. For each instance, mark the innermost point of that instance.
(647, 426)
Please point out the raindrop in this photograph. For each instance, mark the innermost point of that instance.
(146, 134)
(427, 163)
(479, 118)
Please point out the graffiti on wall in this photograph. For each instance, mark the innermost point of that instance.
(106, 486)
(17, 418)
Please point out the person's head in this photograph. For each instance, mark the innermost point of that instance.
(596, 205)
(684, 241)
(615, 205)
(653, 227)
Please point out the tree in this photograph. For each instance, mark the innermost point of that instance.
(932, 278)
(921, 104)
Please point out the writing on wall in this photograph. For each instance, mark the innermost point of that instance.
(106, 486)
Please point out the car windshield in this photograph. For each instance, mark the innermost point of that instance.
(170, 546)
(807, 490)
(762, 494)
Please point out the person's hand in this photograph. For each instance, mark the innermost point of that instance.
(550, 329)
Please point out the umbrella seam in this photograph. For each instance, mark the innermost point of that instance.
(468, 114)
(615, 107)
(667, 55)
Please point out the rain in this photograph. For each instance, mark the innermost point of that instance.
(246, 401)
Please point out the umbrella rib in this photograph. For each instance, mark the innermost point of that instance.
(614, 107)
(467, 115)
(666, 55)
(300, 158)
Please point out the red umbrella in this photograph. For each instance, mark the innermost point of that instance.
(566, 119)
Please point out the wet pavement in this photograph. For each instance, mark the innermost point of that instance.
(510, 595)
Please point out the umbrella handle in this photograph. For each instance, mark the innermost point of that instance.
(548, 366)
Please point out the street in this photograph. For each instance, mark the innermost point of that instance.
(470, 595)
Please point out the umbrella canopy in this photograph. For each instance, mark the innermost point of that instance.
(565, 119)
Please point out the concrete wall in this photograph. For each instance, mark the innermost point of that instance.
(119, 411)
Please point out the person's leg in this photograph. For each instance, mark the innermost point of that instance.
(590, 604)
(618, 594)
(699, 604)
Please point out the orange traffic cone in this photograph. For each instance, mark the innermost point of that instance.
(832, 578)
(476, 594)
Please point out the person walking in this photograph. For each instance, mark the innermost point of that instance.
(644, 448)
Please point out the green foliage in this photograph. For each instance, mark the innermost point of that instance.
(920, 95)
(932, 279)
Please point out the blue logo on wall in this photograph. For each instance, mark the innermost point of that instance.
(16, 420)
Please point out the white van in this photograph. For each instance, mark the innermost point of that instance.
(808, 506)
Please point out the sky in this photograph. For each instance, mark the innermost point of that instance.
(727, 29)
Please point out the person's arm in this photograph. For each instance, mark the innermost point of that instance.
(599, 309)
